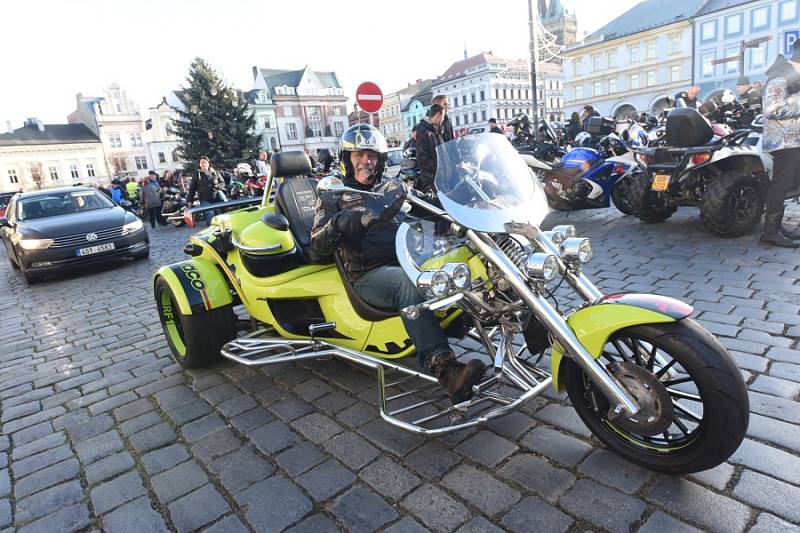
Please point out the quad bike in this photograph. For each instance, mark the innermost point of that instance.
(648, 381)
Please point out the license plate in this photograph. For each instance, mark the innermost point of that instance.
(660, 182)
(95, 249)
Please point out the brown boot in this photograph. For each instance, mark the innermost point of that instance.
(457, 379)
(772, 232)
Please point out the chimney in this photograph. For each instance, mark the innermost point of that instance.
(39, 125)
(9, 126)
(33, 122)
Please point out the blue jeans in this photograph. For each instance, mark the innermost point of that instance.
(389, 287)
(209, 214)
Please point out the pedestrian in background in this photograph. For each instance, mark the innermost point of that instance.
(428, 138)
(587, 113)
(446, 127)
(132, 189)
(412, 142)
(205, 183)
(151, 201)
(573, 127)
(782, 141)
(493, 128)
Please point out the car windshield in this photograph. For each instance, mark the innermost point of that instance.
(61, 203)
(483, 183)
(4, 199)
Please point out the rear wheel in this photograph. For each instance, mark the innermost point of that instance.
(646, 204)
(621, 195)
(733, 203)
(694, 405)
(195, 339)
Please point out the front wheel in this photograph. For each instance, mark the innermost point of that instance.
(694, 406)
(195, 339)
(621, 196)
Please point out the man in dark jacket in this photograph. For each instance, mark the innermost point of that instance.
(587, 113)
(361, 229)
(782, 141)
(688, 98)
(428, 138)
(446, 128)
(748, 96)
(493, 127)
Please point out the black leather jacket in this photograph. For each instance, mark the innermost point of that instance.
(338, 229)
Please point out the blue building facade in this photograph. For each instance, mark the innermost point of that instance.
(721, 26)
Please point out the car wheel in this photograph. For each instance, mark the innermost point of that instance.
(12, 261)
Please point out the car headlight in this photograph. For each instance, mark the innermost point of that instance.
(132, 227)
(567, 230)
(459, 275)
(577, 249)
(541, 266)
(35, 244)
(435, 282)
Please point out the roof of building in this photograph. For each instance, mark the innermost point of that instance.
(645, 16)
(52, 134)
(423, 94)
(291, 78)
(460, 67)
(718, 5)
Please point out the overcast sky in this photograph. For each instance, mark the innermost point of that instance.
(53, 49)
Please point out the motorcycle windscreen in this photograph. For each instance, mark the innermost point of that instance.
(483, 183)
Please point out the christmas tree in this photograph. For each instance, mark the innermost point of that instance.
(215, 122)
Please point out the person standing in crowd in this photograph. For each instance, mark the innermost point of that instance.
(587, 113)
(151, 201)
(573, 127)
(782, 141)
(428, 138)
(260, 166)
(205, 183)
(412, 142)
(446, 128)
(117, 194)
(748, 96)
(688, 98)
(132, 189)
(493, 128)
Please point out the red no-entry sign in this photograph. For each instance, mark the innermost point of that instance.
(369, 97)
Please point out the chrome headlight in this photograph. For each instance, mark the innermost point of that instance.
(434, 282)
(541, 266)
(35, 244)
(577, 249)
(132, 227)
(556, 237)
(567, 230)
(459, 275)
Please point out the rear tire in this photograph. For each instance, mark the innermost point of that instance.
(195, 339)
(701, 367)
(733, 203)
(646, 204)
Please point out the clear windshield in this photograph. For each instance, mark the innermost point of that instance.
(483, 183)
(61, 203)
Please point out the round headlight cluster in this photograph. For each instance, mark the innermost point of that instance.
(541, 266)
(567, 230)
(555, 237)
(577, 249)
(451, 277)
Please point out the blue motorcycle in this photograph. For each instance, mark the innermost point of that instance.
(591, 178)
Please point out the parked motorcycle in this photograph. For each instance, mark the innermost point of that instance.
(549, 149)
(173, 205)
(646, 379)
(726, 178)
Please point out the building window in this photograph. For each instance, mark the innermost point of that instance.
(612, 87)
(120, 164)
(483, 95)
(291, 131)
(732, 66)
(175, 157)
(90, 170)
(505, 94)
(787, 11)
(267, 123)
(757, 56)
(674, 44)
(650, 49)
(634, 82)
(633, 54)
(472, 97)
(136, 140)
(578, 67)
(12, 176)
(597, 62)
(115, 141)
(483, 115)
(612, 61)
(578, 92)
(651, 78)
(458, 120)
(338, 128)
(287, 111)
(141, 162)
(708, 31)
(73, 170)
(759, 18)
(733, 25)
(675, 73)
(706, 67)
(53, 171)
(474, 117)
(162, 157)
(597, 89)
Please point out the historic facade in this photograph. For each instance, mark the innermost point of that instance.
(559, 21)
(263, 108)
(162, 143)
(310, 106)
(116, 120)
(41, 156)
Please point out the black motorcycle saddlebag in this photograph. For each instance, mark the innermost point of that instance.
(600, 126)
(686, 127)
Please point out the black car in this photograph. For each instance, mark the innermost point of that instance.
(59, 229)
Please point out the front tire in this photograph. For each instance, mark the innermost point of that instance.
(195, 339)
(647, 205)
(733, 203)
(707, 414)
(621, 196)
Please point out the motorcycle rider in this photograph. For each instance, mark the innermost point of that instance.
(362, 229)
(782, 141)
(688, 98)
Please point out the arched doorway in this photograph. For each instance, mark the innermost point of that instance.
(625, 111)
(660, 105)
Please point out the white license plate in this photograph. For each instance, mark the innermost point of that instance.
(95, 249)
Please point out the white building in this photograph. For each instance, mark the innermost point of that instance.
(485, 86)
(162, 143)
(40, 156)
(116, 120)
(263, 108)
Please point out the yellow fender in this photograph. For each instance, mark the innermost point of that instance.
(197, 285)
(594, 325)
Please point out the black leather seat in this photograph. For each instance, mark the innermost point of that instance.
(296, 199)
(362, 308)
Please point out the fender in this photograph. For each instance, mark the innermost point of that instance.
(197, 285)
(593, 325)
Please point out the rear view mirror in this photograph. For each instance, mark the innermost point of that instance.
(5, 223)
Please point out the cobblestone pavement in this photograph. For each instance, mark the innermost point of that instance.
(101, 430)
